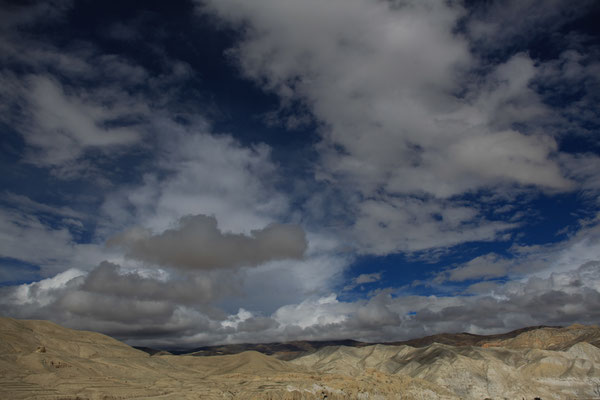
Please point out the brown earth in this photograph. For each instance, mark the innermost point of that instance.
(550, 338)
(42, 360)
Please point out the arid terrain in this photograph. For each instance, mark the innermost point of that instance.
(42, 360)
(290, 350)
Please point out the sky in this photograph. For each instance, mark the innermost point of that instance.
(198, 172)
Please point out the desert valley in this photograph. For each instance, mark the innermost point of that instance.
(42, 360)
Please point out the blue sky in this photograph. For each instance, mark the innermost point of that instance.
(205, 171)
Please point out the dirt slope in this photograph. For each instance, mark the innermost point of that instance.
(551, 338)
(475, 372)
(41, 360)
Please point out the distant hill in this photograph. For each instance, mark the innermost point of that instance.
(464, 338)
(283, 351)
(290, 350)
(550, 338)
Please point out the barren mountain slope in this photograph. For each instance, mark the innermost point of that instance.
(290, 350)
(283, 351)
(462, 339)
(551, 338)
(41, 360)
(475, 372)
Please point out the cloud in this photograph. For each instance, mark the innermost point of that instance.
(367, 278)
(175, 308)
(244, 196)
(74, 105)
(310, 313)
(527, 261)
(197, 243)
(496, 23)
(362, 279)
(66, 125)
(408, 113)
(52, 232)
(112, 280)
(559, 299)
(483, 267)
(391, 224)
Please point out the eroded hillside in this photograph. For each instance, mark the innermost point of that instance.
(41, 360)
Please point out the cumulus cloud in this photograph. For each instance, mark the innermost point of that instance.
(384, 79)
(197, 243)
(243, 196)
(526, 261)
(172, 309)
(560, 299)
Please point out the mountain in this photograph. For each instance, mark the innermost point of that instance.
(464, 338)
(549, 338)
(290, 350)
(282, 351)
(42, 360)
(474, 372)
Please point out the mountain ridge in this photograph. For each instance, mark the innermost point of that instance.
(42, 360)
(292, 349)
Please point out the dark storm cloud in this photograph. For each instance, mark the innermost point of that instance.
(197, 243)
(110, 279)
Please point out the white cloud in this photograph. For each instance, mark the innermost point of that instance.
(391, 225)
(483, 267)
(539, 261)
(563, 289)
(312, 313)
(368, 278)
(362, 279)
(233, 321)
(31, 239)
(40, 293)
(383, 79)
(64, 126)
(201, 173)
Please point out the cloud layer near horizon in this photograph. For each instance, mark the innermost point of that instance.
(176, 311)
